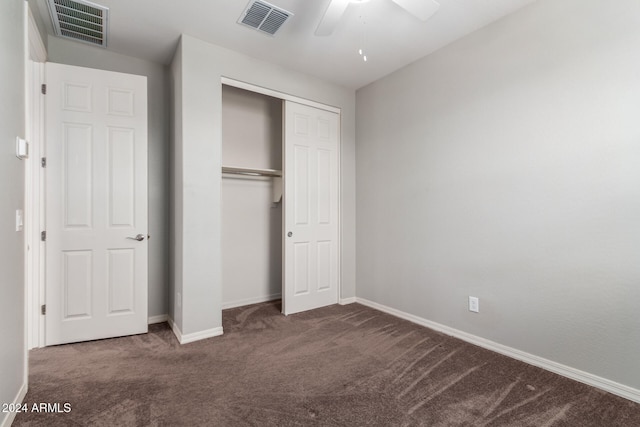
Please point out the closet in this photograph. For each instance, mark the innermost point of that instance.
(251, 201)
(280, 200)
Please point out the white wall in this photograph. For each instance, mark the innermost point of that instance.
(12, 123)
(202, 66)
(506, 166)
(251, 223)
(79, 54)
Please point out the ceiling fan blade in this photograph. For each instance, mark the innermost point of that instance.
(421, 9)
(331, 17)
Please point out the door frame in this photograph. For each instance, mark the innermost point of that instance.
(34, 185)
(287, 97)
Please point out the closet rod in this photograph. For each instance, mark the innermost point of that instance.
(251, 171)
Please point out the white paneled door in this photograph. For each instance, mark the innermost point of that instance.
(311, 197)
(96, 204)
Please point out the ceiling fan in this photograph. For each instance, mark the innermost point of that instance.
(421, 9)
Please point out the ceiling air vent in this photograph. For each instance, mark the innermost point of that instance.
(80, 20)
(264, 17)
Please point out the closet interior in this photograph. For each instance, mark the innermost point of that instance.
(251, 197)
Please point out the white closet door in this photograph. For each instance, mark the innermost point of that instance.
(311, 208)
(96, 196)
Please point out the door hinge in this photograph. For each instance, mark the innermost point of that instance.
(43, 236)
(43, 89)
(43, 162)
(43, 309)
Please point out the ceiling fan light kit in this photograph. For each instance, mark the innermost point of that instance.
(421, 9)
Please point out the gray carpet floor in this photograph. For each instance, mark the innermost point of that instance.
(335, 366)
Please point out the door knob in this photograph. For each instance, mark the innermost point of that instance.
(290, 234)
(139, 238)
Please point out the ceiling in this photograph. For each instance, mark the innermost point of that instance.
(150, 30)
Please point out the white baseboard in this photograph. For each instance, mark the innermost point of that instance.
(158, 319)
(549, 365)
(196, 336)
(8, 420)
(201, 335)
(249, 301)
(345, 301)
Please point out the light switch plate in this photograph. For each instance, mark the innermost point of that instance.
(19, 220)
(474, 304)
(22, 148)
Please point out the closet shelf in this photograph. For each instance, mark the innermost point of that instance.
(251, 171)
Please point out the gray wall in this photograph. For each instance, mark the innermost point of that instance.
(197, 297)
(38, 7)
(201, 66)
(74, 53)
(506, 166)
(251, 232)
(12, 124)
(176, 197)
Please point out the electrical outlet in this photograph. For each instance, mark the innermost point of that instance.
(474, 304)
